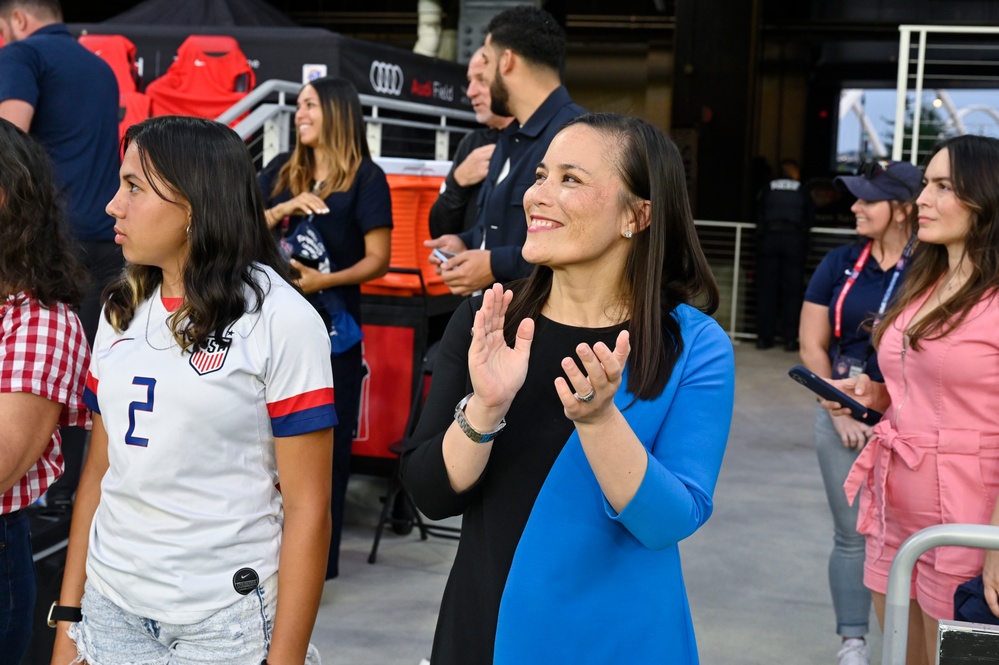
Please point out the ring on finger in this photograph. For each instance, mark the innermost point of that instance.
(586, 398)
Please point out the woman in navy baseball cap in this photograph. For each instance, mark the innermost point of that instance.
(847, 293)
(881, 180)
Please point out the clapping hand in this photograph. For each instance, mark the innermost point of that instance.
(497, 370)
(589, 398)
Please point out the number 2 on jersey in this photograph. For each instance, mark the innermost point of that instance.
(150, 384)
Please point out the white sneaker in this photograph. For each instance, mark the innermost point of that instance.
(854, 652)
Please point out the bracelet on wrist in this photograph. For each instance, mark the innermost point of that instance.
(474, 435)
(59, 613)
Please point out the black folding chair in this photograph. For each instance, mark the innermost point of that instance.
(400, 511)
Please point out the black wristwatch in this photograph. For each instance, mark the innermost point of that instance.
(62, 613)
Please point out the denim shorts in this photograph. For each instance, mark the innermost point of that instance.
(236, 635)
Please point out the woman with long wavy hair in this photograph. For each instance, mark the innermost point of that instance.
(43, 363)
(934, 457)
(330, 180)
(208, 386)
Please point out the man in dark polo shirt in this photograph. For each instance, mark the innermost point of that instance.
(456, 209)
(523, 53)
(67, 98)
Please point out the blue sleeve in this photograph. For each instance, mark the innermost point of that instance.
(508, 264)
(19, 73)
(674, 499)
(823, 282)
(98, 351)
(374, 201)
(472, 238)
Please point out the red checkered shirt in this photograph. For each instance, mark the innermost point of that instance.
(44, 352)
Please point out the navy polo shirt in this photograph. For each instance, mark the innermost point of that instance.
(501, 202)
(365, 206)
(861, 303)
(75, 97)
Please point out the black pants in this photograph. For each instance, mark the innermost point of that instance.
(348, 373)
(17, 587)
(103, 261)
(780, 277)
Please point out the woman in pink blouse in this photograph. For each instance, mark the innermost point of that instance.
(934, 457)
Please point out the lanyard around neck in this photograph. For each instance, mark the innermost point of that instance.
(855, 272)
(838, 310)
(899, 266)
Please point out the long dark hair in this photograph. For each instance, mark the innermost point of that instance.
(974, 174)
(35, 255)
(665, 265)
(343, 141)
(207, 165)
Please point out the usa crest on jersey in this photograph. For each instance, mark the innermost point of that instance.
(210, 356)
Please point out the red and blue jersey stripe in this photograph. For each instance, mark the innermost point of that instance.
(303, 413)
(90, 394)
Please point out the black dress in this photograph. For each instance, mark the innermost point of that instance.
(496, 510)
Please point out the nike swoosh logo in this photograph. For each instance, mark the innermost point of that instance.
(243, 577)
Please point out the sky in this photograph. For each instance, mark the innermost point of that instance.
(879, 105)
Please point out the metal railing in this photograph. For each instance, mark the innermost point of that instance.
(267, 125)
(938, 61)
(900, 577)
(730, 248)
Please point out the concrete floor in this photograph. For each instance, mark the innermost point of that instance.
(755, 573)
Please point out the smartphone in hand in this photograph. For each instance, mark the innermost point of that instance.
(827, 391)
(306, 261)
(441, 255)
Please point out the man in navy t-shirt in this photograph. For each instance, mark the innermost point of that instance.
(67, 99)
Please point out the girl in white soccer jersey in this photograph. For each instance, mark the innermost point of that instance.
(212, 443)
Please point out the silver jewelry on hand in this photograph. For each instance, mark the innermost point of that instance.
(474, 435)
(586, 398)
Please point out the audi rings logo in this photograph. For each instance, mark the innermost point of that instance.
(386, 79)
